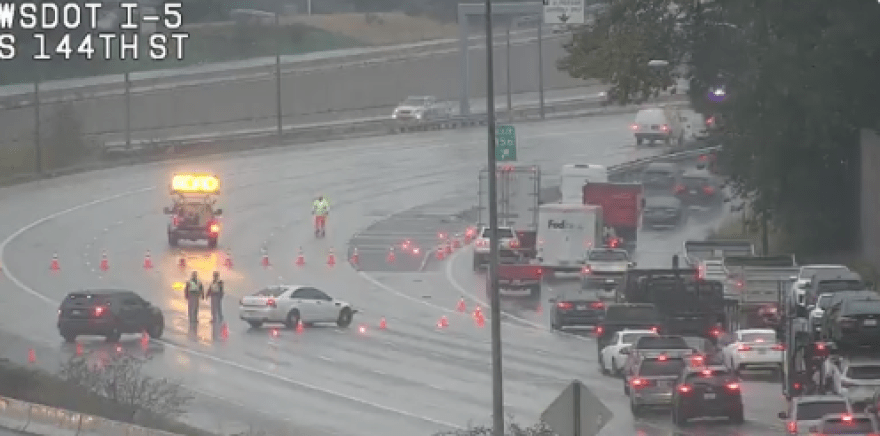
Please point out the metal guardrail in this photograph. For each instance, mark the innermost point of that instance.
(49, 421)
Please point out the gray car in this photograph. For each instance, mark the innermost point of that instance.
(662, 212)
(653, 382)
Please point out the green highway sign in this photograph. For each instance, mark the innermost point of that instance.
(505, 143)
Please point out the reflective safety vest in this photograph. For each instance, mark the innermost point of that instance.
(194, 287)
(320, 207)
(216, 289)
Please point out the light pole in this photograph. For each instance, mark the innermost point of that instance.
(507, 74)
(279, 117)
(495, 310)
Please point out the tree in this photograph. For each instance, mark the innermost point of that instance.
(799, 76)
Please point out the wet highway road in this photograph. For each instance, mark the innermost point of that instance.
(313, 378)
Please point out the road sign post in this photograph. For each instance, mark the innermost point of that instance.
(505, 143)
(563, 11)
(576, 412)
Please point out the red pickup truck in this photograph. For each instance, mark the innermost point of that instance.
(520, 279)
(621, 207)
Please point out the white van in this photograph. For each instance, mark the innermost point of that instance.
(573, 178)
(659, 124)
(565, 233)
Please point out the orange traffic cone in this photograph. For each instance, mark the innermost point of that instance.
(448, 247)
(441, 254)
(181, 263)
(105, 265)
(228, 261)
(391, 256)
(224, 331)
(299, 326)
(300, 258)
(79, 349)
(148, 261)
(456, 243)
(382, 324)
(443, 322)
(480, 321)
(145, 340)
(32, 356)
(478, 313)
(467, 236)
(265, 259)
(355, 257)
(331, 258)
(461, 307)
(55, 266)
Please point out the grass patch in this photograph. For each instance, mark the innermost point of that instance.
(206, 44)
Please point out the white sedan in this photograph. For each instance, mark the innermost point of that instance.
(611, 361)
(290, 305)
(757, 348)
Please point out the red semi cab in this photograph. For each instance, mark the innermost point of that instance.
(621, 207)
(520, 279)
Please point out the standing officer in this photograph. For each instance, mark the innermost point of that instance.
(194, 293)
(215, 293)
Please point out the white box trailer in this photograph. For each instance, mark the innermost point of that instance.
(565, 234)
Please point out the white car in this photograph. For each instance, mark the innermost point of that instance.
(856, 379)
(507, 241)
(756, 348)
(611, 361)
(290, 305)
(802, 281)
(807, 411)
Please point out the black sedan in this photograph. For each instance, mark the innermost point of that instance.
(662, 212)
(707, 392)
(699, 188)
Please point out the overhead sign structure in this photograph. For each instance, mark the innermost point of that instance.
(576, 412)
(563, 11)
(505, 143)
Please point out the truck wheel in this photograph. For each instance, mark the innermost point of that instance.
(68, 337)
(292, 319)
(212, 243)
(155, 331)
(345, 318)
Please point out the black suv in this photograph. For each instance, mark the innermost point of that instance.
(108, 313)
(699, 188)
(193, 219)
(707, 392)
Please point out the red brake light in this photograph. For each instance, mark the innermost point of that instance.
(662, 358)
(482, 243)
(732, 386)
(708, 190)
(846, 418)
(791, 427)
(586, 270)
(679, 189)
(703, 158)
(597, 305)
(99, 311)
(634, 127)
(655, 329)
(715, 332)
(707, 373)
(564, 305)
(639, 383)
(176, 220)
(697, 360)
(778, 347)
(271, 303)
(215, 228)
(664, 128)
(514, 244)
(614, 243)
(684, 389)
(744, 348)
(600, 330)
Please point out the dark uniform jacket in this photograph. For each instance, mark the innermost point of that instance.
(216, 292)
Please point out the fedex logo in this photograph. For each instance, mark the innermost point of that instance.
(559, 225)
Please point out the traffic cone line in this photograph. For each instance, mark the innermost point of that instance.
(440, 253)
(461, 306)
(148, 260)
(224, 331)
(443, 322)
(145, 339)
(391, 256)
(299, 326)
(355, 257)
(181, 262)
(54, 265)
(331, 258)
(228, 261)
(32, 356)
(382, 323)
(79, 349)
(300, 257)
(105, 264)
(265, 259)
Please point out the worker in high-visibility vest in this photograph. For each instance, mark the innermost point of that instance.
(194, 293)
(320, 209)
(215, 295)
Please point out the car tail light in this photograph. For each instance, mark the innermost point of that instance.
(684, 389)
(175, 220)
(586, 270)
(662, 358)
(703, 158)
(482, 243)
(847, 322)
(715, 332)
(564, 305)
(698, 360)
(540, 272)
(640, 383)
(271, 302)
(600, 330)
(214, 228)
(846, 418)
(708, 190)
(514, 244)
(655, 329)
(99, 311)
(744, 348)
(679, 189)
(634, 127)
(706, 373)
(597, 305)
(441, 235)
(664, 128)
(791, 427)
(732, 386)
(614, 242)
(778, 347)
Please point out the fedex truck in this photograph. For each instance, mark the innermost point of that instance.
(565, 233)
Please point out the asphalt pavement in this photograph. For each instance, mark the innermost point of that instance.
(408, 379)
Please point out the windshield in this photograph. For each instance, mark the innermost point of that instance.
(503, 233)
(658, 179)
(759, 337)
(824, 301)
(862, 307)
(695, 182)
(812, 411)
(858, 426)
(662, 343)
(631, 338)
(645, 314)
(807, 272)
(270, 292)
(697, 343)
(414, 101)
(655, 367)
(863, 372)
(609, 256)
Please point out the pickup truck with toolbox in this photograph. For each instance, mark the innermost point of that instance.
(698, 251)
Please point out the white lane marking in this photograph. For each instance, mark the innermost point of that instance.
(192, 352)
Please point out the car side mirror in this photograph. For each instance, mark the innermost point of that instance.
(166, 211)
(782, 415)
(218, 212)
